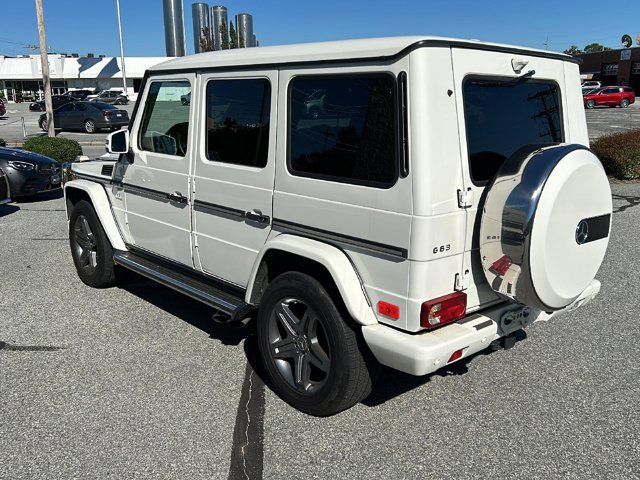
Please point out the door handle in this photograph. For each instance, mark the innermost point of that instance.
(177, 197)
(257, 216)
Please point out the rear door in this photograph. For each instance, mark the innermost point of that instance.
(156, 183)
(234, 171)
(497, 115)
(62, 116)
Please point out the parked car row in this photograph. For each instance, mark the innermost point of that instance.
(114, 97)
(3, 109)
(610, 96)
(88, 116)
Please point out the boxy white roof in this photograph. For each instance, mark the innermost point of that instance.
(331, 51)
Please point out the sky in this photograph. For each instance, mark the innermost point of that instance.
(84, 26)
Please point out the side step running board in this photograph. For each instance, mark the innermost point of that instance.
(194, 286)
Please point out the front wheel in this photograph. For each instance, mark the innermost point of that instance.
(590, 104)
(314, 356)
(624, 103)
(90, 248)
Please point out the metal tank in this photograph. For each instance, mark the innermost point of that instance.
(244, 30)
(201, 27)
(220, 25)
(174, 28)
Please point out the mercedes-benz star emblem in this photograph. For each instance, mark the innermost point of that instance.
(582, 232)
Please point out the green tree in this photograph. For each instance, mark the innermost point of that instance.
(573, 50)
(233, 39)
(224, 35)
(595, 47)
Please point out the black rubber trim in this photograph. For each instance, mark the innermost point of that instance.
(339, 238)
(485, 324)
(420, 44)
(214, 209)
(152, 194)
(92, 178)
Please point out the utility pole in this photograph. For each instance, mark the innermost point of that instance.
(124, 72)
(44, 59)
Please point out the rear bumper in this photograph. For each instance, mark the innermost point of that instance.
(423, 353)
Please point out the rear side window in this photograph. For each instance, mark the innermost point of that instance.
(343, 128)
(238, 121)
(502, 116)
(165, 122)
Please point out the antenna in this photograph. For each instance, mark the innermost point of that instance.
(546, 43)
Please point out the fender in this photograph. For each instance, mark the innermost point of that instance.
(334, 260)
(102, 207)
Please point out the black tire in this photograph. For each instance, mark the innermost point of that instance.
(624, 103)
(590, 104)
(90, 126)
(348, 369)
(94, 268)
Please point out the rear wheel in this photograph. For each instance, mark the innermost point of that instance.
(624, 103)
(90, 248)
(89, 126)
(44, 125)
(314, 357)
(590, 104)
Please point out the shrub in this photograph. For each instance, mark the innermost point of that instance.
(620, 154)
(60, 149)
(3, 143)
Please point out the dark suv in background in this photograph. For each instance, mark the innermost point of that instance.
(78, 94)
(56, 100)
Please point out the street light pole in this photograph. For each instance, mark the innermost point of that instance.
(44, 59)
(124, 72)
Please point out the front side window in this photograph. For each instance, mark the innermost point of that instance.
(343, 128)
(504, 116)
(238, 121)
(165, 122)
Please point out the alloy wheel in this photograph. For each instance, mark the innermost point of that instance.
(85, 245)
(298, 345)
(89, 126)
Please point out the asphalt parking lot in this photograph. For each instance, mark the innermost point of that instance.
(137, 381)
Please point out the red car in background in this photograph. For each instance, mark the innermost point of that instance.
(3, 109)
(610, 96)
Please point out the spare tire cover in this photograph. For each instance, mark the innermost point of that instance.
(545, 225)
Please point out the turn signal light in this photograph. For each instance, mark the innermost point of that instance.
(443, 310)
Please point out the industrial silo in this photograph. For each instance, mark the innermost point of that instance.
(174, 28)
(220, 25)
(201, 27)
(244, 30)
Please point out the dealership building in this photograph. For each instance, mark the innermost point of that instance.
(613, 67)
(21, 76)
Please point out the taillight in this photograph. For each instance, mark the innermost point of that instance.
(106, 113)
(443, 310)
(501, 265)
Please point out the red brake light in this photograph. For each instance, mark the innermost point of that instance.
(443, 310)
(106, 113)
(389, 310)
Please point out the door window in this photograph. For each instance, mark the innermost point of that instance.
(503, 116)
(343, 128)
(165, 123)
(65, 108)
(238, 121)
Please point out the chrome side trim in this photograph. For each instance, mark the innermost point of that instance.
(220, 210)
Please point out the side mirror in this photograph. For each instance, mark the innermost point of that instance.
(117, 142)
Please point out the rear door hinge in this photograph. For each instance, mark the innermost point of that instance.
(465, 198)
(463, 280)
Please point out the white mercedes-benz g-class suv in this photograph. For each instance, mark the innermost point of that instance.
(403, 201)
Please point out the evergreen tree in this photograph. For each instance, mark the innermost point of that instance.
(233, 40)
(224, 35)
